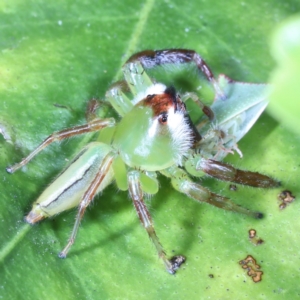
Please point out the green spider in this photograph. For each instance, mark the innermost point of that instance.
(155, 134)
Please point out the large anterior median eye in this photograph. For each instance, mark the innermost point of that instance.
(163, 118)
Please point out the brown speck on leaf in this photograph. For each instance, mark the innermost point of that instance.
(253, 238)
(253, 269)
(282, 205)
(252, 233)
(233, 187)
(286, 198)
(259, 242)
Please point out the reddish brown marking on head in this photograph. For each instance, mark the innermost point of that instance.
(162, 103)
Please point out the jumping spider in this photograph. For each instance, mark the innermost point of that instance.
(154, 134)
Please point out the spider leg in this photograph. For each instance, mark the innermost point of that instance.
(94, 125)
(181, 182)
(87, 198)
(136, 194)
(136, 81)
(216, 144)
(92, 106)
(206, 109)
(226, 172)
(151, 58)
(115, 95)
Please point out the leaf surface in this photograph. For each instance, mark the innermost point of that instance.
(67, 52)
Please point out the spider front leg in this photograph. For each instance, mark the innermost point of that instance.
(136, 194)
(151, 58)
(117, 98)
(181, 182)
(91, 109)
(87, 198)
(226, 172)
(205, 109)
(94, 125)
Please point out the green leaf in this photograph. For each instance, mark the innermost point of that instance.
(67, 52)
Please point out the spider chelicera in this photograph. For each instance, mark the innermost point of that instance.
(155, 134)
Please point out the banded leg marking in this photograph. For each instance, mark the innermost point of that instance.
(86, 200)
(137, 197)
(94, 125)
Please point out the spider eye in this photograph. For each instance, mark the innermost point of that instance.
(163, 118)
(149, 97)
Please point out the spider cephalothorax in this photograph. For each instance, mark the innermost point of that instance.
(155, 134)
(159, 121)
